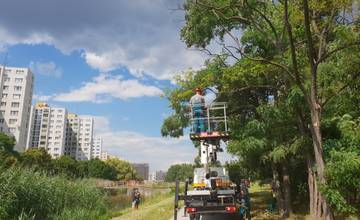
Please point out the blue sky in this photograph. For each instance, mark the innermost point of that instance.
(108, 59)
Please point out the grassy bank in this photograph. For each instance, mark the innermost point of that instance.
(25, 194)
(157, 207)
(261, 197)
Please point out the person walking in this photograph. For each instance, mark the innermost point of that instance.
(136, 198)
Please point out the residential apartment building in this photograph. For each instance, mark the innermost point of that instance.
(104, 156)
(79, 137)
(159, 175)
(47, 129)
(96, 147)
(142, 170)
(16, 89)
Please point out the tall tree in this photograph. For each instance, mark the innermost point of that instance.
(281, 34)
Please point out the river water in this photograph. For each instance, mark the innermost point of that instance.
(118, 199)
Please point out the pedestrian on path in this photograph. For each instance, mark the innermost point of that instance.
(136, 198)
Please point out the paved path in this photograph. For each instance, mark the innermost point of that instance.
(206, 217)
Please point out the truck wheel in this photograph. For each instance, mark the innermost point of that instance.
(192, 217)
(241, 217)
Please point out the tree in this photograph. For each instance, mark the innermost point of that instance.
(179, 172)
(296, 38)
(37, 159)
(99, 169)
(67, 166)
(7, 143)
(8, 156)
(123, 169)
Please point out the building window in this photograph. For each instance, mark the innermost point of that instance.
(17, 88)
(12, 121)
(12, 130)
(3, 104)
(7, 79)
(15, 104)
(19, 71)
(18, 80)
(4, 95)
(16, 96)
(2, 112)
(2, 120)
(14, 113)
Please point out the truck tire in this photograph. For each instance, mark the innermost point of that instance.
(197, 217)
(241, 217)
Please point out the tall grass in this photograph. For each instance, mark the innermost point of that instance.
(25, 194)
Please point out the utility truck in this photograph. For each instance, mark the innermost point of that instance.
(210, 190)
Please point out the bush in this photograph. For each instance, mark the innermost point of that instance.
(34, 195)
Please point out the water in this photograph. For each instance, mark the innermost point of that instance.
(118, 199)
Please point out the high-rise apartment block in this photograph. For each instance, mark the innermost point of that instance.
(79, 137)
(16, 88)
(104, 156)
(47, 129)
(96, 148)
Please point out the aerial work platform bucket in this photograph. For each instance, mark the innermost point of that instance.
(209, 122)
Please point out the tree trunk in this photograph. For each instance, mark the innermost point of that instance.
(276, 187)
(287, 191)
(315, 110)
(311, 181)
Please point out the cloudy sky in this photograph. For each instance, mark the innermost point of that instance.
(109, 59)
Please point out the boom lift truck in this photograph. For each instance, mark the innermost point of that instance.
(212, 191)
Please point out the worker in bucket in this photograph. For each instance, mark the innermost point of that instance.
(197, 103)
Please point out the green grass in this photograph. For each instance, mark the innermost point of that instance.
(158, 207)
(261, 197)
(25, 194)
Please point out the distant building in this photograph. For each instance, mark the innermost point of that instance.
(157, 176)
(142, 170)
(47, 129)
(160, 175)
(79, 136)
(16, 90)
(96, 148)
(104, 156)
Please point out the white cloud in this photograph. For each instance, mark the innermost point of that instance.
(101, 124)
(42, 98)
(141, 35)
(159, 152)
(46, 69)
(105, 87)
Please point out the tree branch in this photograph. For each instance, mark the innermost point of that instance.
(328, 54)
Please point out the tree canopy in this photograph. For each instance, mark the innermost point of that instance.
(289, 71)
